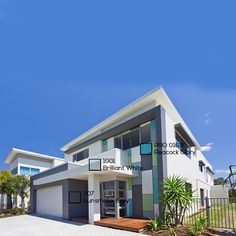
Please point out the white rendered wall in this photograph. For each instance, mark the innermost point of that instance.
(110, 143)
(184, 166)
(94, 207)
(34, 163)
(219, 191)
(57, 162)
(95, 148)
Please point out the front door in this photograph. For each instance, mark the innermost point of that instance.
(113, 198)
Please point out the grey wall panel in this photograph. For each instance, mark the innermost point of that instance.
(137, 201)
(146, 162)
(51, 171)
(161, 138)
(78, 209)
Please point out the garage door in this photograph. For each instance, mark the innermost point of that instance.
(49, 201)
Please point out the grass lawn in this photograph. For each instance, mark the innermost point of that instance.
(221, 216)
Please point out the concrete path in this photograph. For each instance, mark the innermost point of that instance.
(27, 225)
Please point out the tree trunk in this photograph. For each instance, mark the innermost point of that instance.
(23, 202)
(9, 201)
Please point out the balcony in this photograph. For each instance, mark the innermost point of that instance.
(112, 160)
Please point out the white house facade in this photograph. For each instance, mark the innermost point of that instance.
(116, 169)
(27, 163)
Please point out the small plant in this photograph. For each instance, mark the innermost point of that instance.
(168, 224)
(20, 211)
(7, 211)
(13, 211)
(155, 223)
(199, 226)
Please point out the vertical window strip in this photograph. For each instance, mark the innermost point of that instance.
(104, 145)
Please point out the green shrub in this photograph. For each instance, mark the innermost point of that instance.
(13, 211)
(199, 225)
(20, 211)
(155, 223)
(6, 212)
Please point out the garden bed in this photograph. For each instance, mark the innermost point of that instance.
(11, 212)
(182, 231)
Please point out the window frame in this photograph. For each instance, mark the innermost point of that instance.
(182, 145)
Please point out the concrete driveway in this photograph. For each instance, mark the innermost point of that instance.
(27, 225)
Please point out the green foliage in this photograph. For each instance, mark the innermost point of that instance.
(14, 185)
(21, 187)
(6, 183)
(219, 181)
(155, 223)
(176, 199)
(14, 211)
(199, 225)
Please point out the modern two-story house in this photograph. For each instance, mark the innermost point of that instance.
(116, 169)
(27, 163)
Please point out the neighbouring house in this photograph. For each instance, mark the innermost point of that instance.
(116, 169)
(27, 163)
(220, 191)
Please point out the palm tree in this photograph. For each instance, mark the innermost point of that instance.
(176, 198)
(21, 186)
(6, 186)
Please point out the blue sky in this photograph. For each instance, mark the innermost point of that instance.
(67, 65)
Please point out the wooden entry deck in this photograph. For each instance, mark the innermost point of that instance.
(130, 224)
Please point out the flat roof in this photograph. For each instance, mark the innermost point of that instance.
(12, 155)
(157, 97)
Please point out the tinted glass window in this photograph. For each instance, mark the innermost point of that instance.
(14, 171)
(86, 153)
(126, 141)
(145, 132)
(34, 171)
(24, 170)
(134, 136)
(81, 155)
(117, 142)
(182, 145)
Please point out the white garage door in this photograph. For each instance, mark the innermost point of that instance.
(49, 201)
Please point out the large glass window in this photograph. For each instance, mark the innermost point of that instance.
(182, 145)
(134, 137)
(126, 141)
(131, 139)
(14, 171)
(188, 187)
(145, 133)
(118, 142)
(34, 171)
(24, 170)
(201, 165)
(28, 171)
(81, 155)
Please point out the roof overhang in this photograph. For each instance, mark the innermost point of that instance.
(210, 170)
(15, 151)
(150, 100)
(180, 129)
